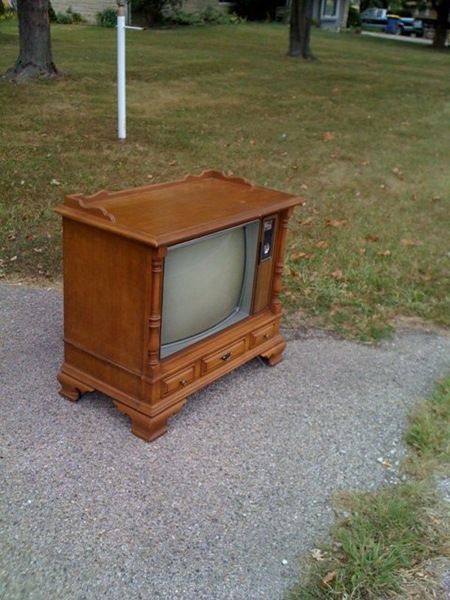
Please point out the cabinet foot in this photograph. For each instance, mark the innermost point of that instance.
(146, 427)
(72, 388)
(275, 355)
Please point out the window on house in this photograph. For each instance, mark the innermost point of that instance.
(329, 8)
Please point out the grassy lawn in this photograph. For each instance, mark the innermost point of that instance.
(391, 543)
(363, 136)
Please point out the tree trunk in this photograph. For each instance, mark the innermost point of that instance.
(300, 29)
(440, 35)
(35, 55)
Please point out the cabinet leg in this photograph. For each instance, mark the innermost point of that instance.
(275, 355)
(146, 427)
(72, 388)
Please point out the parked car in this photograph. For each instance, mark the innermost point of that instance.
(380, 19)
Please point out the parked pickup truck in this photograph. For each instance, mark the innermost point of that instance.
(380, 19)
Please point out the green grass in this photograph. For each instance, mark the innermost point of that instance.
(429, 433)
(381, 547)
(229, 98)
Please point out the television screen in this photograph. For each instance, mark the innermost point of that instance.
(208, 285)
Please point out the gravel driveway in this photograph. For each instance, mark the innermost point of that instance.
(220, 508)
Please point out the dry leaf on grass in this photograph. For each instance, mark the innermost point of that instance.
(322, 244)
(338, 274)
(372, 238)
(336, 222)
(384, 253)
(327, 136)
(300, 256)
(317, 554)
(306, 221)
(406, 242)
(329, 577)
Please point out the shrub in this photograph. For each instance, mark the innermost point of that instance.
(173, 15)
(354, 20)
(51, 13)
(208, 16)
(64, 18)
(6, 12)
(107, 18)
(257, 10)
(67, 18)
(153, 10)
(76, 17)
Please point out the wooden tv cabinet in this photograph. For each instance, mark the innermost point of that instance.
(114, 248)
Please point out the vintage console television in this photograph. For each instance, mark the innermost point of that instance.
(168, 287)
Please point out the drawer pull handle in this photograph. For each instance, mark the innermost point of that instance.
(183, 382)
(226, 356)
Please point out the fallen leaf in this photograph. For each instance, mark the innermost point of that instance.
(55, 182)
(406, 242)
(327, 136)
(37, 250)
(13, 258)
(372, 238)
(304, 186)
(11, 236)
(362, 250)
(307, 221)
(338, 274)
(294, 273)
(317, 554)
(253, 142)
(329, 578)
(322, 244)
(384, 253)
(300, 256)
(426, 277)
(336, 222)
(385, 462)
(172, 163)
(313, 210)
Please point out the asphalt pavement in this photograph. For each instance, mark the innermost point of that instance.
(225, 505)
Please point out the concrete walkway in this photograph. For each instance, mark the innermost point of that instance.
(220, 508)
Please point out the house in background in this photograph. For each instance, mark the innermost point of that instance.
(328, 14)
(331, 14)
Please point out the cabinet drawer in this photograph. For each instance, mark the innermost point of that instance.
(178, 381)
(259, 336)
(218, 359)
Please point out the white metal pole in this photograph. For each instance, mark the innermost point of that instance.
(121, 78)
